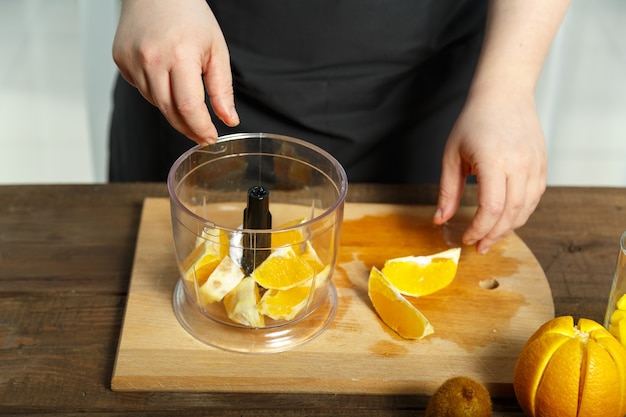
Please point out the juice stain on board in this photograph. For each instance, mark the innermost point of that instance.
(472, 312)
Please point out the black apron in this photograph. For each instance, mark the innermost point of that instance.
(377, 83)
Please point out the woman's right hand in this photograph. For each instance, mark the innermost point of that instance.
(170, 50)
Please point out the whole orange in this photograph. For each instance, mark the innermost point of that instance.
(571, 370)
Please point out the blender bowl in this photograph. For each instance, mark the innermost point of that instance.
(256, 220)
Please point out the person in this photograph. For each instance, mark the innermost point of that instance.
(402, 91)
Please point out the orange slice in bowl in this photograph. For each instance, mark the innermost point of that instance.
(285, 304)
(221, 281)
(203, 268)
(282, 270)
(241, 304)
(288, 237)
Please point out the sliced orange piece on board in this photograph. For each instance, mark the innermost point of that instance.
(282, 270)
(241, 304)
(221, 281)
(422, 275)
(284, 304)
(394, 310)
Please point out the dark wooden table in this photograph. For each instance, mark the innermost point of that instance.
(65, 260)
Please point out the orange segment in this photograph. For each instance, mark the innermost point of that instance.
(301, 246)
(422, 275)
(617, 316)
(394, 310)
(216, 240)
(561, 378)
(209, 250)
(538, 352)
(200, 271)
(310, 256)
(223, 279)
(617, 325)
(616, 350)
(193, 256)
(282, 270)
(288, 237)
(241, 304)
(285, 304)
(571, 370)
(597, 372)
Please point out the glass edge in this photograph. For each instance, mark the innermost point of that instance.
(342, 189)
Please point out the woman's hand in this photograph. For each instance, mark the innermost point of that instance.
(498, 138)
(170, 50)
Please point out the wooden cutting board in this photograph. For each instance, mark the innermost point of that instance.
(481, 320)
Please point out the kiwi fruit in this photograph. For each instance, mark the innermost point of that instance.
(460, 397)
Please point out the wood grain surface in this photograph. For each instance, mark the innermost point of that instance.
(66, 256)
(481, 320)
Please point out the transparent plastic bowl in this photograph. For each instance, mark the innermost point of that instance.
(230, 295)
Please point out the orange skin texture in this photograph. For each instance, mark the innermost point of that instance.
(571, 370)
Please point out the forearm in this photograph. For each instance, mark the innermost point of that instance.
(517, 39)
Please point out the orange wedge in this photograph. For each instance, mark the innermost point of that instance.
(195, 254)
(221, 281)
(288, 237)
(422, 275)
(284, 304)
(394, 310)
(310, 256)
(241, 304)
(200, 271)
(282, 270)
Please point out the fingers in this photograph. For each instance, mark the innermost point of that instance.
(508, 193)
(498, 138)
(181, 99)
(450, 188)
(179, 95)
(504, 205)
(170, 54)
(220, 88)
(499, 201)
(187, 110)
